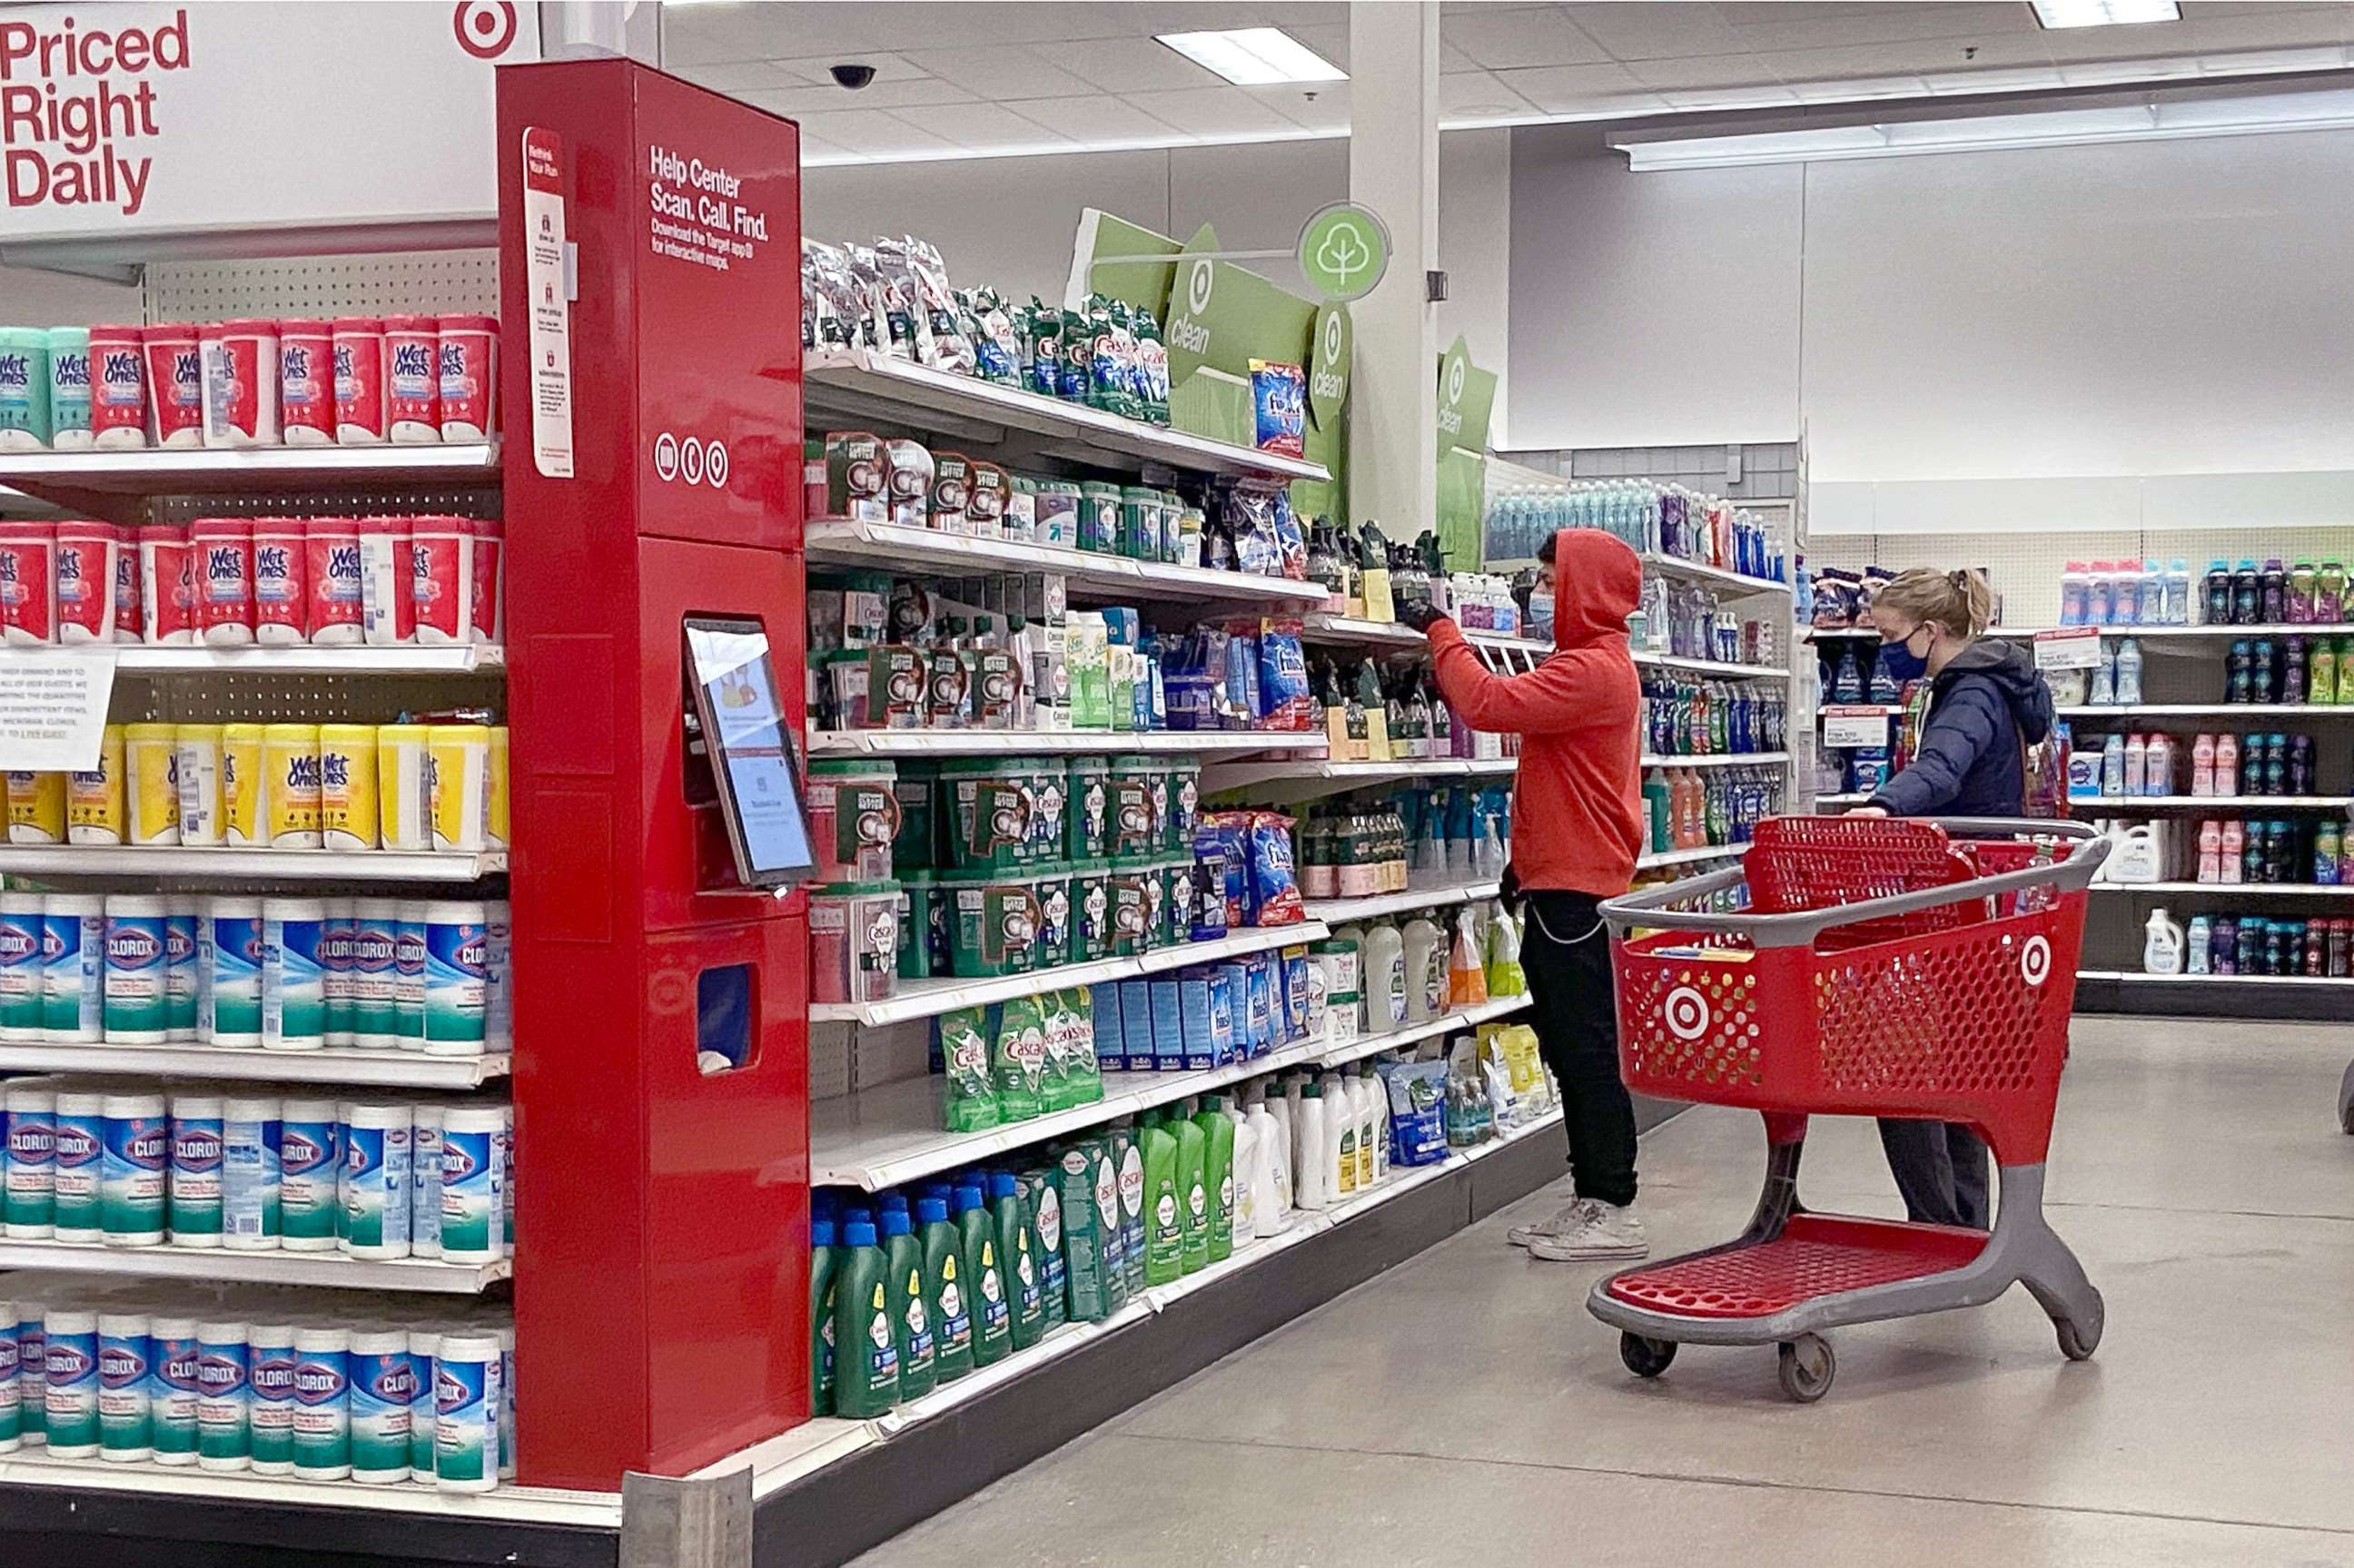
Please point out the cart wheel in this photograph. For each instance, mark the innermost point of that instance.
(1808, 1367)
(1645, 1358)
(2077, 1342)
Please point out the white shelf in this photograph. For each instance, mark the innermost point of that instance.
(2201, 634)
(1689, 856)
(887, 1136)
(999, 742)
(887, 546)
(1846, 798)
(149, 1480)
(1720, 759)
(1322, 626)
(876, 386)
(1340, 911)
(1717, 667)
(1248, 775)
(138, 659)
(2137, 977)
(404, 1069)
(182, 471)
(2208, 709)
(1461, 1018)
(222, 1266)
(258, 864)
(1716, 576)
(929, 997)
(1064, 1339)
(2220, 802)
(2236, 889)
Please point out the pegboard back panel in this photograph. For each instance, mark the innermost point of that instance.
(452, 501)
(392, 281)
(237, 698)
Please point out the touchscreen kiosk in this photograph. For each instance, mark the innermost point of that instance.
(750, 750)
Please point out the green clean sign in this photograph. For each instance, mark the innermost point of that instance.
(1343, 252)
(1328, 369)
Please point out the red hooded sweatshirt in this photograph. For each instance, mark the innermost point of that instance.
(1577, 803)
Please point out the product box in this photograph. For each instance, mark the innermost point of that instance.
(1111, 1050)
(1136, 1026)
(1260, 1004)
(1168, 1026)
(1291, 964)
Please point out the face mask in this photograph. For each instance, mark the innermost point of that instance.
(1541, 616)
(1901, 664)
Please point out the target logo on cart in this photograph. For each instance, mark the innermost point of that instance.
(1688, 1013)
(2035, 960)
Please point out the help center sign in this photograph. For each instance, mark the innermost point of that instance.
(141, 119)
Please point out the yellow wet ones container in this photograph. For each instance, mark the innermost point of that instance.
(36, 803)
(458, 765)
(348, 817)
(404, 804)
(151, 790)
(197, 748)
(290, 786)
(495, 833)
(242, 781)
(93, 800)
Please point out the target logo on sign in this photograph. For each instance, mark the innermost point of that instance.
(1688, 1013)
(485, 28)
(2035, 960)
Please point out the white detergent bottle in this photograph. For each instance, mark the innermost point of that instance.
(1273, 1175)
(1424, 947)
(1243, 1175)
(1385, 979)
(2161, 947)
(1312, 1166)
(1369, 1124)
(1340, 1162)
(1381, 1123)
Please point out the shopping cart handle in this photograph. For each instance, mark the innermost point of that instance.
(1799, 928)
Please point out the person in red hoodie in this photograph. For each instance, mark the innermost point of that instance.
(1578, 826)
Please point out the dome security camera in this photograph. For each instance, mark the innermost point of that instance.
(852, 75)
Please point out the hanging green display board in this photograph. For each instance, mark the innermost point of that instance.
(1467, 399)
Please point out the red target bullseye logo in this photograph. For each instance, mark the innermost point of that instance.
(485, 27)
(2035, 960)
(1687, 1013)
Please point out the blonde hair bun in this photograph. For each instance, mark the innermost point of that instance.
(1959, 602)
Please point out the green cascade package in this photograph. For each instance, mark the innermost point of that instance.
(1043, 1196)
(1164, 1231)
(903, 1258)
(1017, 1245)
(1018, 1057)
(1084, 1229)
(965, 1060)
(992, 1318)
(1194, 1194)
(866, 1374)
(945, 1301)
(1218, 1170)
(1130, 1157)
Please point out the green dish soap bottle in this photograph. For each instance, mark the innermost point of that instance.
(945, 1302)
(1019, 1249)
(904, 1264)
(1192, 1193)
(1164, 1228)
(992, 1318)
(821, 1267)
(866, 1378)
(1218, 1174)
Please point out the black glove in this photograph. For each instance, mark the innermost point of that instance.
(1420, 614)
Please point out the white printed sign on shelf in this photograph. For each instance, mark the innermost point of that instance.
(53, 710)
(2069, 648)
(550, 299)
(1853, 726)
(128, 120)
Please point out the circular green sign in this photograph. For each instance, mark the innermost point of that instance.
(1343, 251)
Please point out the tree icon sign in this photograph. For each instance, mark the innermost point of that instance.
(1343, 252)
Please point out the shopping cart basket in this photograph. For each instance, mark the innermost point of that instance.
(1886, 967)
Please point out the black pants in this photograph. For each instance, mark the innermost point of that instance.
(1565, 950)
(1941, 1169)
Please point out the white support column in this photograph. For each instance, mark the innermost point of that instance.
(1394, 170)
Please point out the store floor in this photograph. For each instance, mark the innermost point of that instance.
(1463, 1409)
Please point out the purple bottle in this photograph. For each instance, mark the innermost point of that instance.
(2223, 956)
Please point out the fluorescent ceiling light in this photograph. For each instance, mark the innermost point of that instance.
(2173, 121)
(2104, 12)
(1255, 56)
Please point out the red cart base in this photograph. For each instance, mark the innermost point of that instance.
(1814, 1256)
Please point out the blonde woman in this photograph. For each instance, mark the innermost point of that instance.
(1987, 704)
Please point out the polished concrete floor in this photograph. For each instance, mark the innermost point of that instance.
(1463, 1409)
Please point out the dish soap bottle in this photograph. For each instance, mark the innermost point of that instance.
(2161, 950)
(867, 1382)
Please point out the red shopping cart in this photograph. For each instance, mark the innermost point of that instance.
(1884, 967)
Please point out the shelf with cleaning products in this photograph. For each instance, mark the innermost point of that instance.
(1340, 911)
(2207, 710)
(178, 471)
(994, 742)
(250, 865)
(1088, 575)
(2232, 889)
(226, 1265)
(1717, 760)
(392, 1069)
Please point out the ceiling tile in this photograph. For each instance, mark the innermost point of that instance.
(1638, 31)
(1702, 71)
(888, 67)
(911, 92)
(1581, 89)
(1330, 40)
(1095, 118)
(744, 76)
(702, 35)
(2097, 73)
(1225, 112)
(872, 130)
(2005, 79)
(1910, 22)
(2328, 57)
(2209, 33)
(1763, 95)
(1479, 95)
(1794, 66)
(1545, 36)
(1859, 89)
(1324, 106)
(1129, 65)
(1004, 70)
(1749, 13)
(985, 127)
(908, 22)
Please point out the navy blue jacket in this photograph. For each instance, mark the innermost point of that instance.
(1982, 705)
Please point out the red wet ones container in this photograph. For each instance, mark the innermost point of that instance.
(358, 348)
(469, 377)
(412, 376)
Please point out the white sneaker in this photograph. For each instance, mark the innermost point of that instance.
(1602, 1231)
(1567, 1218)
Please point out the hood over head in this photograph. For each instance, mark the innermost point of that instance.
(1597, 582)
(2012, 670)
